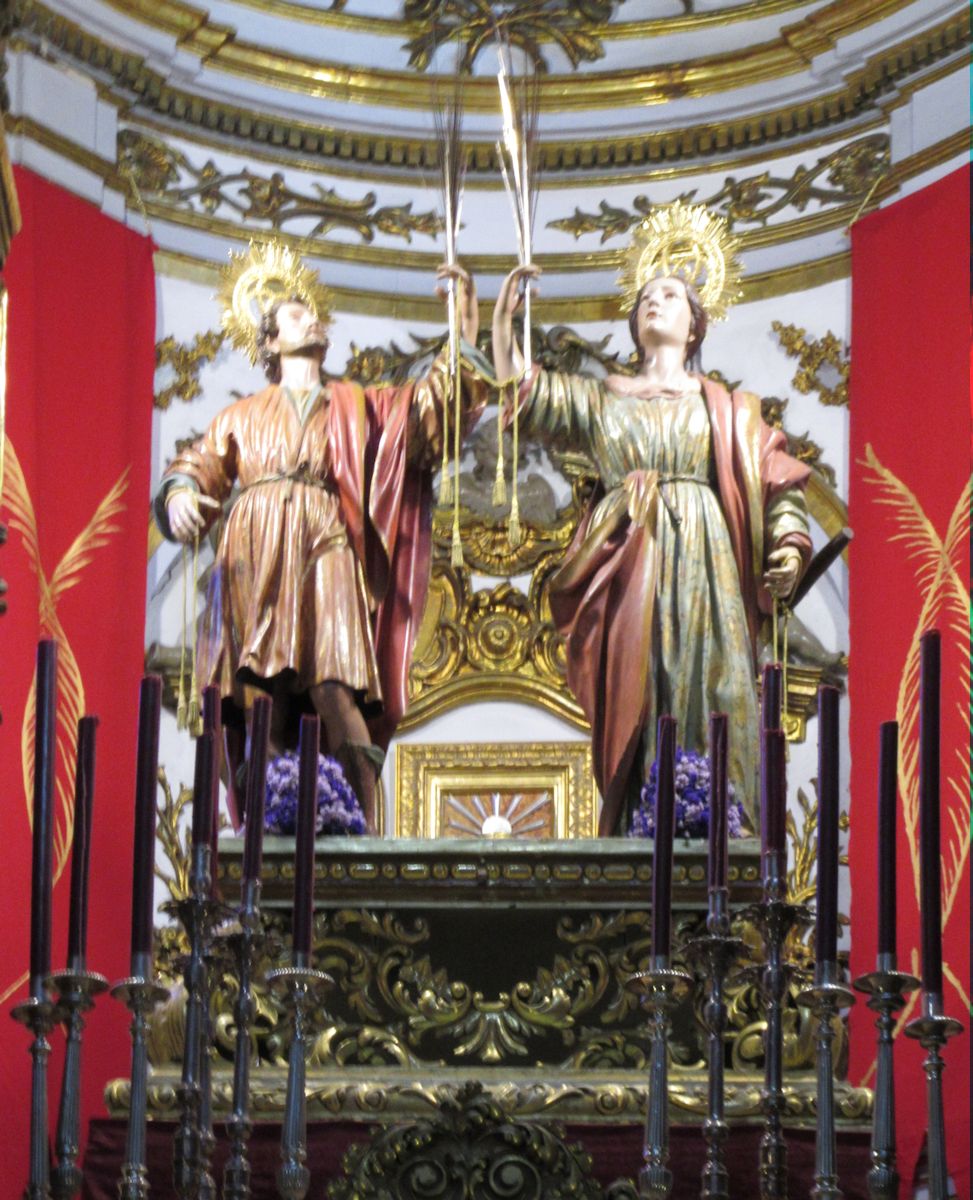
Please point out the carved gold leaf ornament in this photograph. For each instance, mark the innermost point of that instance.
(253, 281)
(158, 170)
(824, 364)
(184, 360)
(851, 174)
(688, 242)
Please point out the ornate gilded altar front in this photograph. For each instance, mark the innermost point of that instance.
(497, 961)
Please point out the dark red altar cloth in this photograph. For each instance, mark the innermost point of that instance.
(616, 1151)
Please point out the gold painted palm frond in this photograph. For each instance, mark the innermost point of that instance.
(20, 508)
(945, 601)
(94, 535)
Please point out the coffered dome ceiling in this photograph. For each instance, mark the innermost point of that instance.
(313, 118)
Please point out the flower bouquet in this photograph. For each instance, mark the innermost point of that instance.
(692, 800)
(338, 809)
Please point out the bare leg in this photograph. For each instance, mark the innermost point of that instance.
(347, 738)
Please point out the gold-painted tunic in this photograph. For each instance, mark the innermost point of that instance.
(655, 461)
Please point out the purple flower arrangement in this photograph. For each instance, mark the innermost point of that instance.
(338, 808)
(692, 800)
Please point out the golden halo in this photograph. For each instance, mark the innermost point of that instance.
(690, 243)
(256, 279)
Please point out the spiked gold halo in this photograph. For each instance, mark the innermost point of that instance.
(690, 243)
(256, 279)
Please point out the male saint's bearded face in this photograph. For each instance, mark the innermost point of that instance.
(299, 332)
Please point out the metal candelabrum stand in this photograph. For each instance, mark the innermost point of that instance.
(932, 1030)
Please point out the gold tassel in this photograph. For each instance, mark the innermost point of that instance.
(499, 482)
(456, 552)
(514, 531)
(194, 716)
(783, 685)
(181, 709)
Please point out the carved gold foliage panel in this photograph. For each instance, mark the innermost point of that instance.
(513, 789)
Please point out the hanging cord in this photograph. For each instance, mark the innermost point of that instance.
(775, 653)
(783, 686)
(456, 555)
(182, 719)
(499, 482)
(514, 532)
(445, 482)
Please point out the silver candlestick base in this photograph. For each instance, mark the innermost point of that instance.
(826, 998)
(932, 1030)
(715, 953)
(246, 945)
(76, 992)
(140, 994)
(300, 988)
(660, 989)
(886, 989)
(39, 1015)
(776, 917)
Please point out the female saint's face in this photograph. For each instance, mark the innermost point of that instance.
(664, 315)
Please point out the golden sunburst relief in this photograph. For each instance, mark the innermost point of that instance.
(257, 278)
(499, 814)
(691, 243)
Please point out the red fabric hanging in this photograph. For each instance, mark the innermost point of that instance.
(910, 570)
(76, 487)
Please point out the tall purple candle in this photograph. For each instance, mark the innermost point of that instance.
(826, 938)
(718, 833)
(256, 788)
(307, 795)
(665, 818)
(203, 788)
(146, 777)
(84, 795)
(929, 844)
(888, 767)
(43, 818)
(211, 723)
(773, 794)
(771, 696)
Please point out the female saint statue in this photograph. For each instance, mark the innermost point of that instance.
(698, 521)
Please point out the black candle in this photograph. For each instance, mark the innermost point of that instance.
(929, 845)
(773, 795)
(718, 845)
(146, 782)
(826, 938)
(887, 798)
(771, 694)
(665, 816)
(211, 724)
(256, 788)
(307, 796)
(203, 789)
(43, 818)
(84, 795)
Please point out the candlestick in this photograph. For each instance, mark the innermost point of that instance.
(718, 832)
(826, 939)
(143, 875)
(773, 803)
(211, 724)
(84, 795)
(43, 810)
(665, 812)
(771, 695)
(887, 797)
(307, 798)
(929, 849)
(256, 795)
(202, 789)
